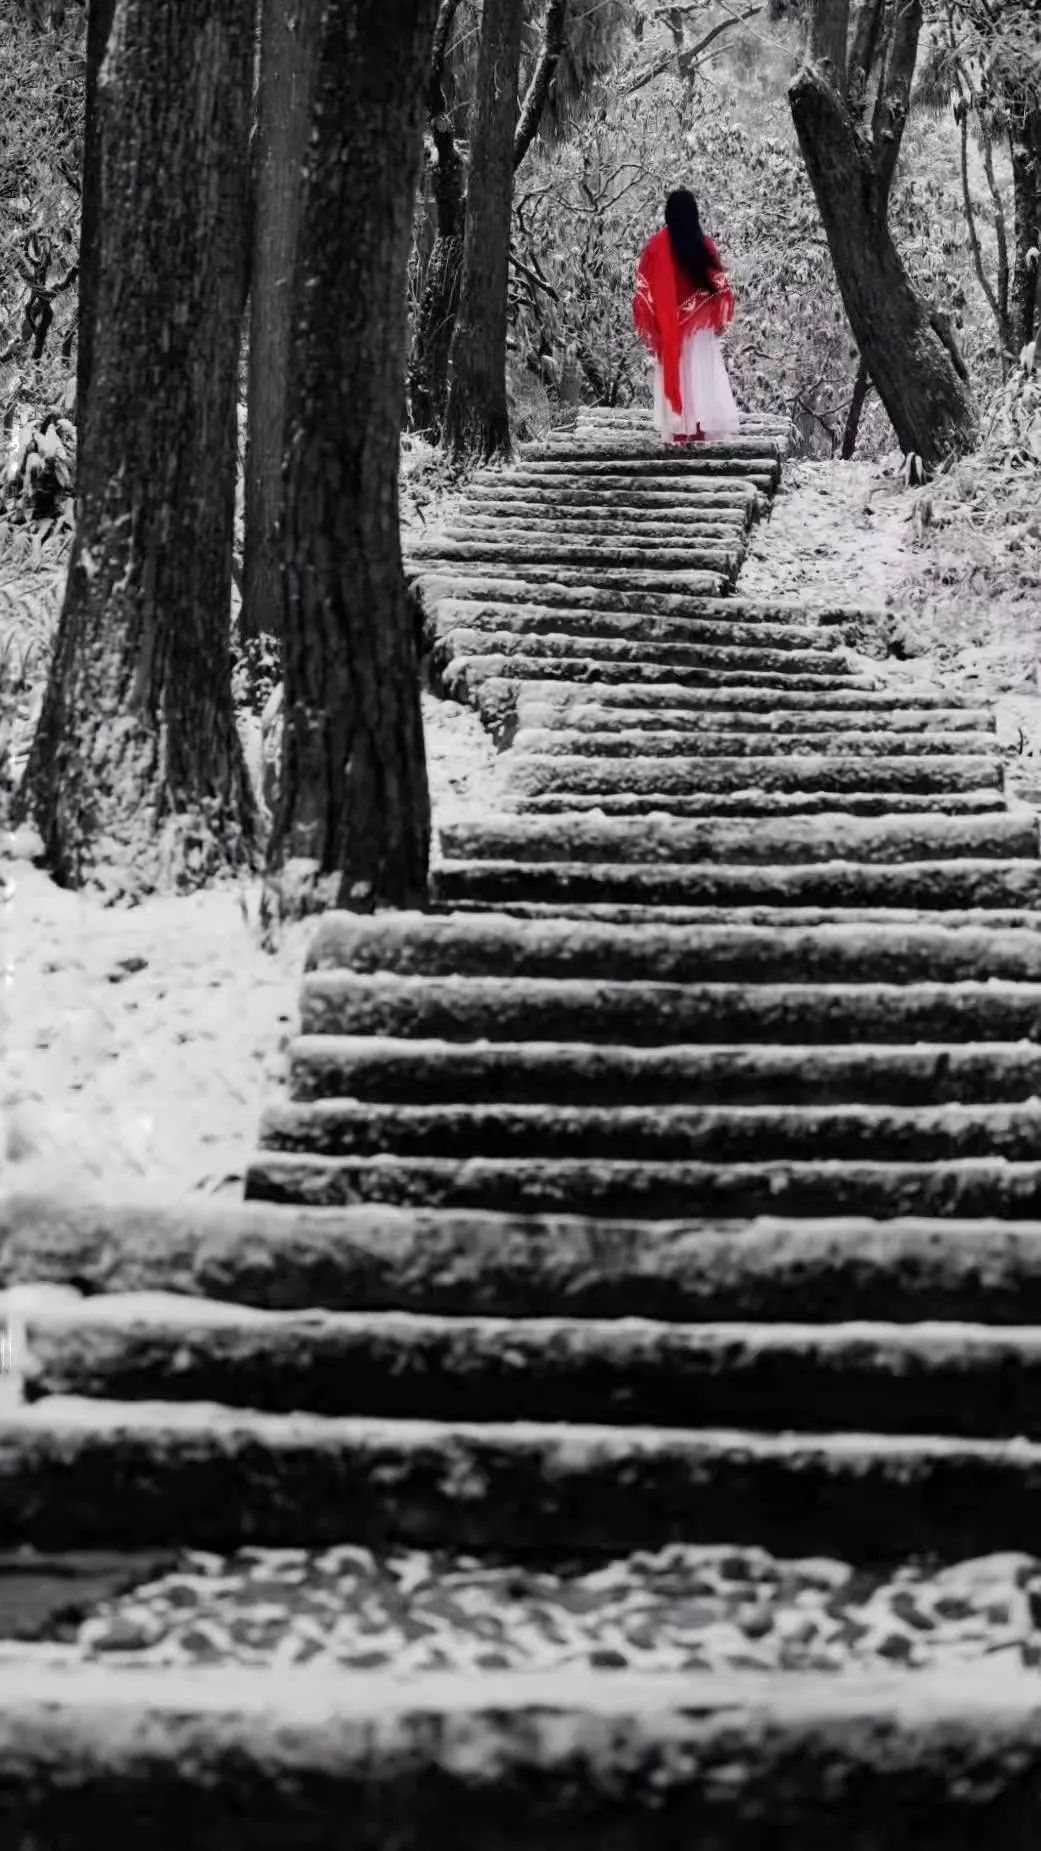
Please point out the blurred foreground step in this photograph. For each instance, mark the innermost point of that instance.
(380, 1258)
(518, 1762)
(967, 1380)
(87, 1473)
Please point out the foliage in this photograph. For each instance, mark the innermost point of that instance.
(981, 522)
(584, 209)
(41, 129)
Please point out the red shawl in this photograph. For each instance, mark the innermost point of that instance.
(666, 309)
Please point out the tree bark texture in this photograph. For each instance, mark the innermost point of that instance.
(554, 33)
(477, 417)
(1025, 290)
(851, 429)
(136, 776)
(353, 824)
(432, 339)
(99, 25)
(283, 113)
(927, 402)
(435, 326)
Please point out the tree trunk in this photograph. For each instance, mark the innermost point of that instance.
(282, 119)
(476, 417)
(428, 367)
(353, 823)
(929, 406)
(428, 372)
(537, 94)
(861, 388)
(136, 777)
(1025, 140)
(99, 24)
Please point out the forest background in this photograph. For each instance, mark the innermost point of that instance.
(643, 97)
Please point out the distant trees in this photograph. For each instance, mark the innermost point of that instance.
(849, 103)
(136, 764)
(986, 62)
(282, 126)
(436, 319)
(477, 419)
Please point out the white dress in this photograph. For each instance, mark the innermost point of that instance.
(704, 388)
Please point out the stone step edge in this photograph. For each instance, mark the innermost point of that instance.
(573, 1756)
(906, 1378)
(89, 1473)
(384, 1258)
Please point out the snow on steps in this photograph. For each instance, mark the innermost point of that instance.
(79, 1470)
(769, 1152)
(970, 1380)
(481, 1264)
(515, 1762)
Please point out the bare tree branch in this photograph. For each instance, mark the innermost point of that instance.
(446, 13)
(553, 34)
(688, 59)
(894, 95)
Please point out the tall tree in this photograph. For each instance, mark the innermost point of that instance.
(282, 124)
(435, 323)
(851, 159)
(353, 822)
(985, 60)
(477, 421)
(99, 25)
(428, 366)
(136, 761)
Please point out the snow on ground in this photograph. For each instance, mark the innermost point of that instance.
(925, 567)
(140, 1046)
(835, 532)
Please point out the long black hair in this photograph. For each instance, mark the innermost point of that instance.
(687, 238)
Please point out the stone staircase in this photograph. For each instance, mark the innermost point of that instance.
(675, 1179)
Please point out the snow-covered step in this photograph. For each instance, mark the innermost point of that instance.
(562, 1757)
(81, 1472)
(543, 549)
(595, 1009)
(501, 880)
(969, 1380)
(720, 630)
(576, 1073)
(773, 804)
(415, 944)
(959, 841)
(669, 1189)
(381, 1258)
(579, 712)
(655, 744)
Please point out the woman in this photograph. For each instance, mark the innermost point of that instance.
(683, 302)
